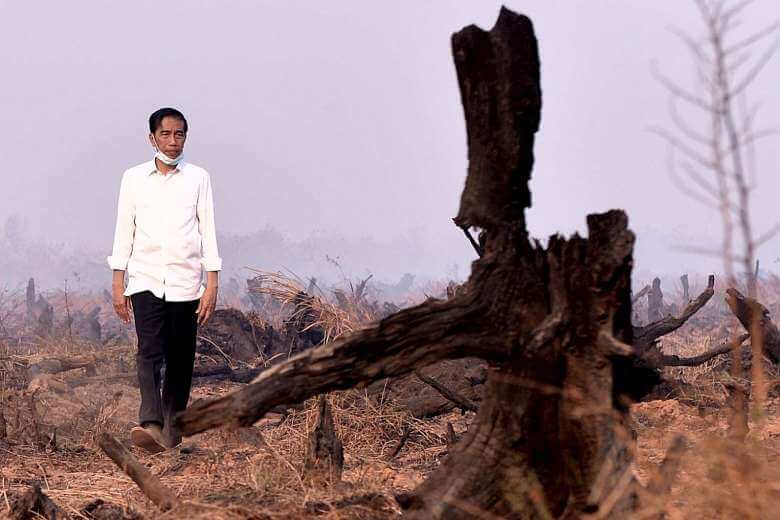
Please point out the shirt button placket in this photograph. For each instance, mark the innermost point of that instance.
(164, 244)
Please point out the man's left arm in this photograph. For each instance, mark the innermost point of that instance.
(211, 261)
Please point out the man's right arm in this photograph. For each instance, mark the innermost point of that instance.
(123, 247)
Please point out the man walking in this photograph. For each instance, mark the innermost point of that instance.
(165, 239)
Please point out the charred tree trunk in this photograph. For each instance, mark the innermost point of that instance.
(30, 300)
(655, 302)
(686, 289)
(324, 459)
(551, 438)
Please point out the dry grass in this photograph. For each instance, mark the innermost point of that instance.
(231, 474)
(718, 479)
(335, 321)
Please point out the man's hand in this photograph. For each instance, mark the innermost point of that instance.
(207, 304)
(122, 304)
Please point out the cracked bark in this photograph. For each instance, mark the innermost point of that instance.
(552, 436)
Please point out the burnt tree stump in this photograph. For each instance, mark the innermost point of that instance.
(324, 459)
(552, 436)
(34, 504)
(30, 300)
(738, 402)
(655, 302)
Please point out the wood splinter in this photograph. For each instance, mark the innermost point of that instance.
(149, 484)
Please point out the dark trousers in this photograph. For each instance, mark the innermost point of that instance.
(166, 337)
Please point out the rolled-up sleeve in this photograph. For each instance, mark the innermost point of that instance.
(125, 227)
(208, 233)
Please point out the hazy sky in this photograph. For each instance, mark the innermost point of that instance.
(344, 116)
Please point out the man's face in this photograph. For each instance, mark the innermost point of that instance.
(169, 136)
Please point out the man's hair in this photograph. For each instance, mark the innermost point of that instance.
(155, 120)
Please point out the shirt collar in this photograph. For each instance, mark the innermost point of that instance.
(153, 167)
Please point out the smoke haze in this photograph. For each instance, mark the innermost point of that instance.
(335, 130)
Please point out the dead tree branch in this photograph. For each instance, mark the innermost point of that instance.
(676, 361)
(462, 402)
(410, 339)
(638, 296)
(645, 337)
(149, 484)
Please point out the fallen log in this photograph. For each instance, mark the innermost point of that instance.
(464, 376)
(224, 372)
(460, 401)
(427, 407)
(148, 483)
(57, 365)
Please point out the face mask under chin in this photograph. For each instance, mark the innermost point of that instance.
(164, 158)
(167, 160)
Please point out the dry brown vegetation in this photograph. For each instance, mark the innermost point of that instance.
(257, 472)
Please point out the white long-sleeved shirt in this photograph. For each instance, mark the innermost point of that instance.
(165, 236)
